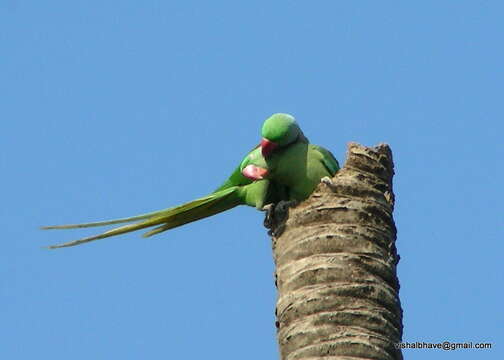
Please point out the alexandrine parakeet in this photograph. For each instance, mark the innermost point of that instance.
(290, 160)
(238, 189)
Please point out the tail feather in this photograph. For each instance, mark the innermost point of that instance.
(193, 213)
(105, 222)
(172, 217)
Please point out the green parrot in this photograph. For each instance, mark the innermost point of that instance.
(291, 161)
(238, 189)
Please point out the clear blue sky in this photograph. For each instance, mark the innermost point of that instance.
(113, 108)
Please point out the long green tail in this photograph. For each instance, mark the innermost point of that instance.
(168, 218)
(106, 222)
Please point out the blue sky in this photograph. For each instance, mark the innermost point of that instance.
(113, 108)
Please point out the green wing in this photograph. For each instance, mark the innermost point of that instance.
(328, 159)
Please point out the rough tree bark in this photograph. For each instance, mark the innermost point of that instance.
(336, 260)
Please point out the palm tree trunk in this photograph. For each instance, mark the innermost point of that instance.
(336, 262)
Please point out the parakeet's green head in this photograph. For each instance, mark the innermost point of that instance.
(279, 130)
(254, 166)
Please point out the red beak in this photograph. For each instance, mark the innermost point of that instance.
(267, 147)
(254, 172)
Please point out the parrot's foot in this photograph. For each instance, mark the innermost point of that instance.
(328, 181)
(276, 215)
(284, 205)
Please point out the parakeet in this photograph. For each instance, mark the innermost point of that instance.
(283, 167)
(289, 159)
(238, 189)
